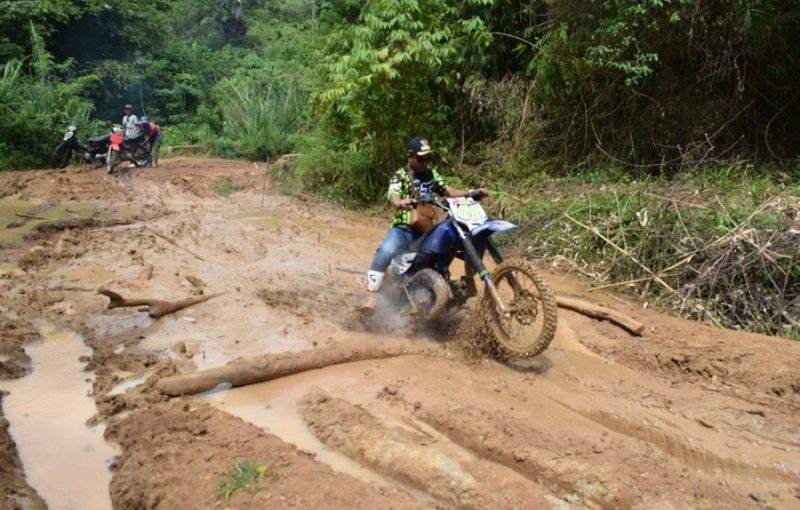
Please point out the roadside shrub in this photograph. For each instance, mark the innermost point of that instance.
(340, 174)
(729, 253)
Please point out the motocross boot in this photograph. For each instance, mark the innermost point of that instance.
(372, 284)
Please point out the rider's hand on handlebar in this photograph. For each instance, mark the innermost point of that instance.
(406, 204)
(478, 193)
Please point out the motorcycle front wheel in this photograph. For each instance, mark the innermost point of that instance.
(112, 160)
(529, 324)
(61, 155)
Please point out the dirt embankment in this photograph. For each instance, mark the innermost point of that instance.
(686, 416)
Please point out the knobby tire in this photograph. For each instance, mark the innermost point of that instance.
(534, 312)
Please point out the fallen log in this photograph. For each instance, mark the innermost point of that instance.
(156, 307)
(591, 310)
(241, 372)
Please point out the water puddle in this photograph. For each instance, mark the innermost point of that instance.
(7, 268)
(93, 275)
(19, 217)
(272, 406)
(65, 461)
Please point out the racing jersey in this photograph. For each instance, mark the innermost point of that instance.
(425, 182)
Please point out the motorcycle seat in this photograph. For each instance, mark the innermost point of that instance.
(99, 139)
(135, 139)
(414, 246)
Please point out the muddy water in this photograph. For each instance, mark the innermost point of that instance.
(93, 275)
(19, 217)
(273, 407)
(65, 461)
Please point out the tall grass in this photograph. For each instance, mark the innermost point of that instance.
(260, 118)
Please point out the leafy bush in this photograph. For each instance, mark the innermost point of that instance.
(223, 185)
(341, 174)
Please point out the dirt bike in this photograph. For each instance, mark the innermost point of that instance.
(69, 145)
(126, 149)
(517, 303)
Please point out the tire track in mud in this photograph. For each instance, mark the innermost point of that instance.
(447, 473)
(681, 449)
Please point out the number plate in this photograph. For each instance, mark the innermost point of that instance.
(467, 210)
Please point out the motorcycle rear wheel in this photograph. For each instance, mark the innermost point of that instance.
(61, 155)
(429, 293)
(530, 325)
(141, 158)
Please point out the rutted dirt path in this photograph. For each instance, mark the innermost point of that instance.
(687, 416)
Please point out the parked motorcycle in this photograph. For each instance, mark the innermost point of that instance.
(68, 146)
(96, 149)
(517, 302)
(126, 149)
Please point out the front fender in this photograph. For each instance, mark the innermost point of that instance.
(493, 226)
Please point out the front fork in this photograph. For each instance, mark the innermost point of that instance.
(474, 259)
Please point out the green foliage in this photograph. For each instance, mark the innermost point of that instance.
(727, 253)
(388, 76)
(260, 115)
(244, 476)
(223, 185)
(338, 173)
(17, 16)
(33, 104)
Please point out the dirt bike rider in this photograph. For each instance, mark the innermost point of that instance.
(407, 184)
(152, 133)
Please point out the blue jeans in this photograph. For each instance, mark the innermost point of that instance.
(397, 239)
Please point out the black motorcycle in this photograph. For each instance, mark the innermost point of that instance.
(96, 149)
(517, 304)
(68, 146)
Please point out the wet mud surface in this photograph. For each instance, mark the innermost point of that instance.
(686, 416)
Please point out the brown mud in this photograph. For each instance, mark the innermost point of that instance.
(685, 416)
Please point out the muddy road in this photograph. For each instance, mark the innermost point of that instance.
(686, 416)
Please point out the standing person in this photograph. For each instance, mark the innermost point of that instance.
(130, 122)
(153, 133)
(407, 184)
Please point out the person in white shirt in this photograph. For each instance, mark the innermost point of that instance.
(130, 122)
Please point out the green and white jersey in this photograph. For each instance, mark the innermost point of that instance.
(426, 182)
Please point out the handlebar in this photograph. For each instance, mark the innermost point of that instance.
(474, 194)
